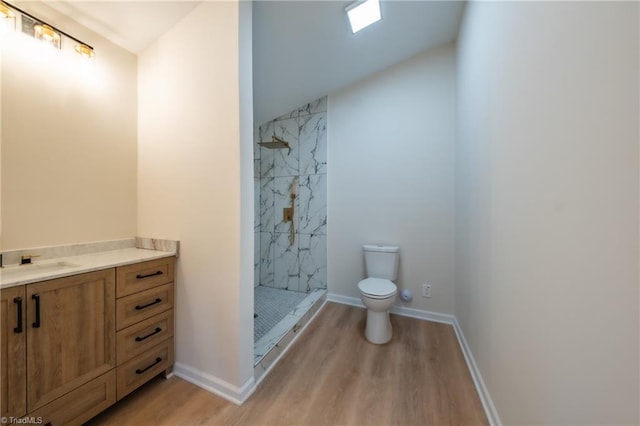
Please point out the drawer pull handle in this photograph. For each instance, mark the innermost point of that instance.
(18, 301)
(156, 331)
(157, 361)
(141, 277)
(140, 307)
(36, 323)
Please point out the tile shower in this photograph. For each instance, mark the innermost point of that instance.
(280, 262)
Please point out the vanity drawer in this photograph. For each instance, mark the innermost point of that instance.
(140, 306)
(144, 335)
(81, 404)
(142, 276)
(145, 366)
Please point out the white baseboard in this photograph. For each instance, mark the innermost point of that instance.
(481, 388)
(206, 381)
(398, 310)
(483, 392)
(423, 315)
(238, 395)
(345, 300)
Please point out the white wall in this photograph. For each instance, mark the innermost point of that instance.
(245, 338)
(547, 208)
(191, 178)
(68, 139)
(391, 176)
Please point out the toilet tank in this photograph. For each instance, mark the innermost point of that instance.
(381, 261)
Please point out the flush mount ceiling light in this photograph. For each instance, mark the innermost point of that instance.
(363, 13)
(43, 31)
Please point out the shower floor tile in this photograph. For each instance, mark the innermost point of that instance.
(272, 305)
(279, 337)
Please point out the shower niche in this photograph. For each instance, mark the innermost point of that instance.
(290, 258)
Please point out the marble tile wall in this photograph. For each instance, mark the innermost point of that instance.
(301, 266)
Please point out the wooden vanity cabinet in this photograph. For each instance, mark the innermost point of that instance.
(59, 341)
(144, 320)
(13, 344)
(58, 348)
(71, 334)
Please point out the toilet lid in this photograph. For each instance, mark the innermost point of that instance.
(377, 287)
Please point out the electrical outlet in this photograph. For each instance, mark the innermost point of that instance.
(426, 290)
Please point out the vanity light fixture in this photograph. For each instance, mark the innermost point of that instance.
(84, 50)
(47, 34)
(7, 19)
(43, 31)
(5, 12)
(363, 13)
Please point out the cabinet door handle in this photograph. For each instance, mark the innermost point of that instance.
(18, 301)
(36, 297)
(156, 331)
(157, 361)
(139, 307)
(141, 277)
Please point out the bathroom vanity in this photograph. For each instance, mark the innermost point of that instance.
(75, 344)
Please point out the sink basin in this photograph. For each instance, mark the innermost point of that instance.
(50, 267)
(36, 268)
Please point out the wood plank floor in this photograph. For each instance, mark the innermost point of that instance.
(331, 376)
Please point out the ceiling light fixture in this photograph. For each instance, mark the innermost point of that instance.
(44, 31)
(363, 13)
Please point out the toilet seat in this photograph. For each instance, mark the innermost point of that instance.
(377, 288)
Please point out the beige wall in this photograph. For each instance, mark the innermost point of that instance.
(547, 208)
(189, 179)
(390, 179)
(68, 140)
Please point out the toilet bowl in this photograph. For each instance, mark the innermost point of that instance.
(378, 292)
(378, 296)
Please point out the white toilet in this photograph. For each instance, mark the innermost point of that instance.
(378, 292)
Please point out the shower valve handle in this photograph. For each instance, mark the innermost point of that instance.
(287, 214)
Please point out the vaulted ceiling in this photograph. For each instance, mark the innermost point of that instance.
(302, 50)
(132, 25)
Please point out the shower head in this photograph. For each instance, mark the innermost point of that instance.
(276, 143)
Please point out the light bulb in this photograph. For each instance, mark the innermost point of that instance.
(5, 12)
(85, 51)
(47, 34)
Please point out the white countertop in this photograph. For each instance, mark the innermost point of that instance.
(15, 275)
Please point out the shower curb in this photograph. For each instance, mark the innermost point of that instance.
(260, 370)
